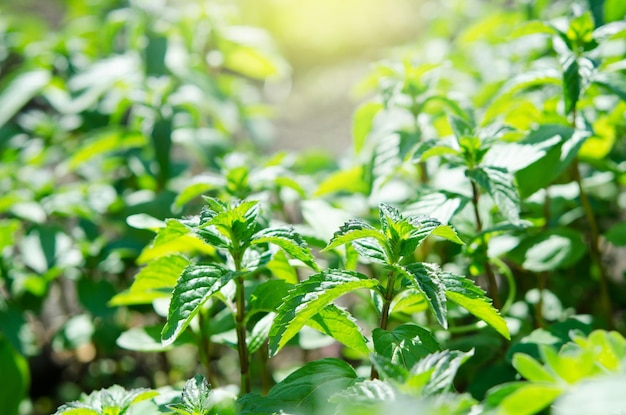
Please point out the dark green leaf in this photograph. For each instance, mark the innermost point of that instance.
(617, 234)
(405, 345)
(268, 296)
(387, 369)
(193, 289)
(571, 82)
(308, 298)
(304, 391)
(15, 378)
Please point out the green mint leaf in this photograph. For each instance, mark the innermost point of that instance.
(440, 205)
(527, 398)
(155, 280)
(468, 295)
(443, 367)
(500, 185)
(405, 345)
(308, 298)
(268, 296)
(352, 230)
(362, 122)
(428, 279)
(304, 391)
(340, 325)
(531, 369)
(194, 287)
(289, 240)
(387, 369)
(195, 398)
(174, 238)
(366, 393)
(572, 82)
(260, 332)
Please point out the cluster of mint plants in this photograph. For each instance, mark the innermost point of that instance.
(463, 259)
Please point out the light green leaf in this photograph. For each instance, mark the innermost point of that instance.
(155, 280)
(526, 80)
(198, 186)
(173, 239)
(237, 221)
(308, 298)
(280, 267)
(148, 339)
(529, 399)
(409, 301)
(427, 278)
(304, 391)
(8, 230)
(341, 326)
(465, 293)
(103, 143)
(531, 369)
(193, 289)
(500, 185)
(431, 148)
(350, 180)
(362, 123)
(405, 345)
(19, 91)
(533, 27)
(356, 229)
(289, 240)
(144, 221)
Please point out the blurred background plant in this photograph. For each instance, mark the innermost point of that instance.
(115, 115)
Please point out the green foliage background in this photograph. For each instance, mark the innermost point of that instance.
(495, 125)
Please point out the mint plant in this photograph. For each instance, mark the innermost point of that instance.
(235, 231)
(392, 246)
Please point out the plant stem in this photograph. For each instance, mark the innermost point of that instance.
(266, 377)
(594, 247)
(384, 315)
(492, 283)
(242, 347)
(240, 324)
(206, 349)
